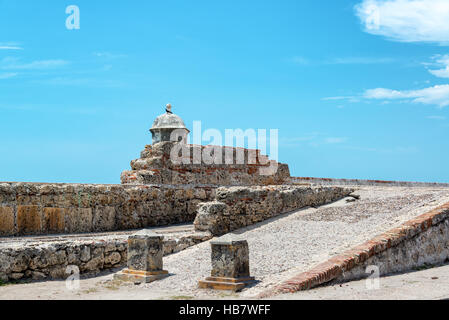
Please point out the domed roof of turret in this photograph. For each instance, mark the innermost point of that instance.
(168, 120)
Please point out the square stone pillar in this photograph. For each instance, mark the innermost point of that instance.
(230, 266)
(145, 252)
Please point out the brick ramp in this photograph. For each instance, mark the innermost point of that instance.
(426, 237)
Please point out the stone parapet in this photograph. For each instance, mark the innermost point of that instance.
(49, 257)
(237, 207)
(38, 208)
(362, 182)
(232, 167)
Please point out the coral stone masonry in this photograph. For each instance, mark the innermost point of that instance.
(169, 160)
(39, 208)
(156, 165)
(238, 207)
(145, 252)
(230, 266)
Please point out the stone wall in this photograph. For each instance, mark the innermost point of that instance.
(361, 182)
(430, 247)
(237, 207)
(238, 166)
(50, 259)
(33, 208)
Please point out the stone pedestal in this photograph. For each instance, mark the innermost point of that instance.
(145, 252)
(230, 266)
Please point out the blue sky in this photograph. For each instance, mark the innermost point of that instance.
(357, 89)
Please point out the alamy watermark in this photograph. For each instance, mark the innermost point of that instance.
(373, 17)
(72, 282)
(73, 20)
(231, 153)
(373, 280)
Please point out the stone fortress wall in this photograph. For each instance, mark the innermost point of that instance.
(48, 257)
(209, 165)
(238, 207)
(37, 209)
(362, 182)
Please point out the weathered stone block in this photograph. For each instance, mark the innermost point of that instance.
(29, 219)
(6, 220)
(145, 251)
(212, 216)
(230, 259)
(104, 218)
(20, 262)
(58, 272)
(200, 193)
(230, 266)
(54, 219)
(78, 220)
(113, 258)
(85, 254)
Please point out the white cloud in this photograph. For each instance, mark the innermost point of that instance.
(9, 46)
(334, 140)
(436, 117)
(337, 98)
(443, 62)
(406, 20)
(108, 55)
(392, 150)
(382, 93)
(436, 95)
(300, 60)
(7, 75)
(14, 64)
(313, 139)
(70, 81)
(349, 98)
(360, 60)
